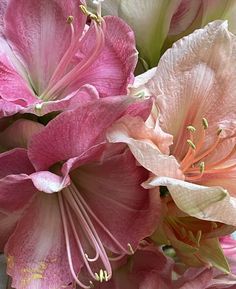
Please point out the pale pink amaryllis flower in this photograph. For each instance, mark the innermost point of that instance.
(80, 200)
(51, 60)
(188, 144)
(148, 268)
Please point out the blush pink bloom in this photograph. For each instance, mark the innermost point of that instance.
(80, 200)
(51, 60)
(189, 140)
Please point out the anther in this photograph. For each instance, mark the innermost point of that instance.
(205, 123)
(191, 144)
(38, 106)
(191, 128)
(130, 248)
(101, 275)
(219, 131)
(202, 167)
(70, 19)
(106, 277)
(89, 14)
(198, 237)
(97, 277)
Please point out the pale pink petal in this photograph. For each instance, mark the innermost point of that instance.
(19, 133)
(113, 70)
(184, 16)
(146, 146)
(206, 203)
(73, 132)
(36, 251)
(48, 182)
(192, 78)
(112, 189)
(36, 29)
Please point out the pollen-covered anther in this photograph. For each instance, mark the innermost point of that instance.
(219, 131)
(202, 167)
(130, 248)
(205, 123)
(70, 19)
(90, 15)
(191, 128)
(191, 144)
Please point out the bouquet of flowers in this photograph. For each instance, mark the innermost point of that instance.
(118, 144)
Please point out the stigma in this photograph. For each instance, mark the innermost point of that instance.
(196, 162)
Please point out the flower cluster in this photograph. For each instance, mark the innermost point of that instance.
(108, 180)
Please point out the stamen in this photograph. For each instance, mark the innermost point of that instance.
(202, 167)
(68, 248)
(63, 82)
(191, 144)
(130, 248)
(191, 128)
(70, 19)
(92, 16)
(205, 123)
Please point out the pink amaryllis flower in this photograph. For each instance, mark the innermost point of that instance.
(50, 59)
(189, 141)
(80, 201)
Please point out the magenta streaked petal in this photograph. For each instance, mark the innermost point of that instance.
(113, 70)
(85, 94)
(19, 133)
(15, 161)
(112, 189)
(35, 28)
(73, 132)
(7, 225)
(40, 260)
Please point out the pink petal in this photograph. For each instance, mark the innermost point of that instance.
(40, 260)
(113, 70)
(15, 162)
(73, 132)
(184, 16)
(85, 94)
(15, 92)
(7, 225)
(195, 279)
(192, 78)
(16, 188)
(112, 190)
(19, 133)
(36, 28)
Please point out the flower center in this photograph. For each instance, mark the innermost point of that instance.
(63, 76)
(193, 164)
(78, 218)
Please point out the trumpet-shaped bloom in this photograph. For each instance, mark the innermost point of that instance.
(189, 144)
(80, 200)
(51, 60)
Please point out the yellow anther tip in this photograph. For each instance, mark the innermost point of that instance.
(191, 144)
(70, 19)
(191, 128)
(205, 123)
